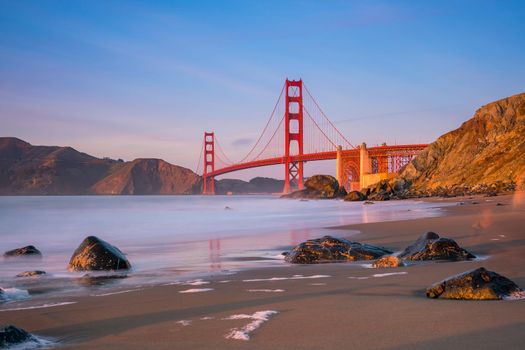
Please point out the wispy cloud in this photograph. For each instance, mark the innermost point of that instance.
(242, 142)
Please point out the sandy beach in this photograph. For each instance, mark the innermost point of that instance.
(326, 306)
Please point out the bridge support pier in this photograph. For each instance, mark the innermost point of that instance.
(365, 165)
(339, 167)
(293, 124)
(208, 182)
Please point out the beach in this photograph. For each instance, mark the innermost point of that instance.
(323, 306)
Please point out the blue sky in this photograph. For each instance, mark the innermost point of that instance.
(129, 79)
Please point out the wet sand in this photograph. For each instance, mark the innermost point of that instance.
(348, 309)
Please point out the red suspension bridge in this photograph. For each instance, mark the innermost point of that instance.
(298, 131)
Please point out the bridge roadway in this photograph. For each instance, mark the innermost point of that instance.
(396, 150)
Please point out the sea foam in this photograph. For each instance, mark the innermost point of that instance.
(294, 277)
(243, 333)
(40, 306)
(196, 290)
(11, 294)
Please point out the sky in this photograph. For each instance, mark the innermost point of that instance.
(132, 79)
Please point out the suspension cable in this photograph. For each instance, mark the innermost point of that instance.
(200, 159)
(324, 115)
(266, 127)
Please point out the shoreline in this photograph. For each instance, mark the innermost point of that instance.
(347, 299)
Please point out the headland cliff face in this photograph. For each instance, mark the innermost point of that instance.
(487, 150)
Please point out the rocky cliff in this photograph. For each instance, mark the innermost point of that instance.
(487, 150)
(51, 170)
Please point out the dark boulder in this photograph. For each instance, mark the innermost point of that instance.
(330, 249)
(319, 187)
(96, 254)
(24, 251)
(11, 336)
(380, 196)
(31, 273)
(432, 247)
(478, 284)
(354, 196)
(2, 295)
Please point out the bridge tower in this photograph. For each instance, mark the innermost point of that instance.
(208, 182)
(293, 118)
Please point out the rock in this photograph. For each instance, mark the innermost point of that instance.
(2, 295)
(11, 335)
(432, 247)
(354, 196)
(24, 251)
(330, 249)
(100, 280)
(96, 254)
(388, 261)
(380, 196)
(31, 273)
(319, 187)
(368, 203)
(478, 284)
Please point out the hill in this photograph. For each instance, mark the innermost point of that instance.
(488, 149)
(51, 170)
(256, 185)
(147, 176)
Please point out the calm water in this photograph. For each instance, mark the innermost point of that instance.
(166, 237)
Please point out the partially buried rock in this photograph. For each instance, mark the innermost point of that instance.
(11, 336)
(478, 284)
(432, 247)
(96, 254)
(24, 251)
(354, 196)
(388, 261)
(330, 249)
(31, 273)
(380, 196)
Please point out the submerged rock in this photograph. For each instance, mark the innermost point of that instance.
(29, 250)
(432, 247)
(31, 273)
(96, 254)
(478, 284)
(354, 196)
(330, 249)
(100, 280)
(11, 335)
(319, 187)
(388, 261)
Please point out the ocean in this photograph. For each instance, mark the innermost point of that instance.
(169, 238)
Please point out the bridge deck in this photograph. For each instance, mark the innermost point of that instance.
(397, 150)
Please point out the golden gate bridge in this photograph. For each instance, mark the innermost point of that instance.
(298, 131)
